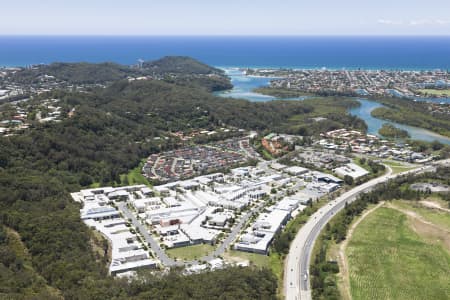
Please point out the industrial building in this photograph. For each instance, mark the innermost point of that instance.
(352, 170)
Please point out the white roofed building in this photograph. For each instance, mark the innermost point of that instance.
(352, 170)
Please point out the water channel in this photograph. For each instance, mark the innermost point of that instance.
(244, 86)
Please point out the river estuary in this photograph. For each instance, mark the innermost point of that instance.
(244, 86)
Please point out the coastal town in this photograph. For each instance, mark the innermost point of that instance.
(14, 86)
(395, 83)
(18, 116)
(330, 148)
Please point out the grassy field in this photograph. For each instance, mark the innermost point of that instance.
(388, 260)
(131, 178)
(436, 92)
(266, 154)
(135, 176)
(273, 262)
(258, 260)
(190, 252)
(398, 167)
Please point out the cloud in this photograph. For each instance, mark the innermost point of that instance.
(428, 22)
(389, 22)
(415, 23)
(443, 22)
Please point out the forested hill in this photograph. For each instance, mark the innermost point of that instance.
(74, 73)
(181, 108)
(180, 65)
(176, 69)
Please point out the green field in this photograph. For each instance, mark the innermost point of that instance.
(190, 252)
(388, 260)
(258, 260)
(436, 92)
(398, 167)
(135, 176)
(267, 155)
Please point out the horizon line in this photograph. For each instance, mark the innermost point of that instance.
(224, 35)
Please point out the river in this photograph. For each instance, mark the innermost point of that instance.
(243, 87)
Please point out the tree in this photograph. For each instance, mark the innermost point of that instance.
(348, 180)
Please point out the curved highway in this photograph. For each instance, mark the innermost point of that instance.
(296, 270)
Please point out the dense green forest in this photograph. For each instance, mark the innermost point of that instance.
(390, 131)
(281, 92)
(412, 113)
(75, 73)
(180, 65)
(174, 68)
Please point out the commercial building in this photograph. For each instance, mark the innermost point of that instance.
(296, 171)
(127, 252)
(352, 170)
(257, 239)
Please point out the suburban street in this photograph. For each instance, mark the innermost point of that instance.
(234, 233)
(296, 273)
(160, 254)
(220, 249)
(169, 262)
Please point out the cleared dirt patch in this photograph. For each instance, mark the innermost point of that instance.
(431, 232)
(434, 205)
(427, 230)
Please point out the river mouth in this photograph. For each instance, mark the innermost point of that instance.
(374, 124)
(243, 88)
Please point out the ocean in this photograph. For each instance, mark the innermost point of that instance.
(287, 52)
(229, 53)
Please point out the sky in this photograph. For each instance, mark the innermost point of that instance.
(220, 17)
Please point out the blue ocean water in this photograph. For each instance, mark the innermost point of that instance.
(407, 53)
(296, 52)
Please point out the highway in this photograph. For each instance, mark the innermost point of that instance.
(296, 271)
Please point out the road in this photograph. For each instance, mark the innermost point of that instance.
(169, 262)
(296, 273)
(221, 248)
(234, 233)
(160, 254)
